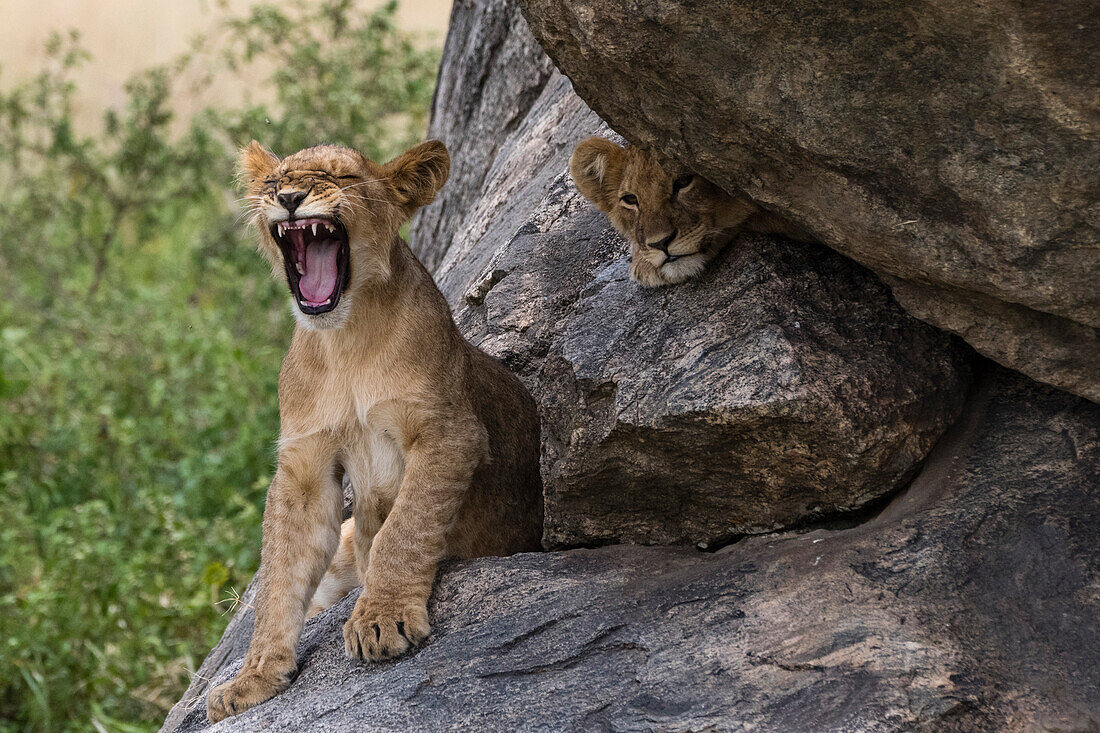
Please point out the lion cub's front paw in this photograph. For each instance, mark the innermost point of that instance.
(247, 690)
(380, 630)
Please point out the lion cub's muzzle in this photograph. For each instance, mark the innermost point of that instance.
(317, 260)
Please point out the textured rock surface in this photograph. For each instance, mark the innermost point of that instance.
(491, 72)
(785, 385)
(969, 604)
(950, 146)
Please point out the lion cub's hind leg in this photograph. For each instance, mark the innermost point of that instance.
(375, 470)
(342, 576)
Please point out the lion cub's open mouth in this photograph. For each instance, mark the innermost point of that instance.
(316, 256)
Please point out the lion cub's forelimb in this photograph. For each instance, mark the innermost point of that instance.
(301, 529)
(402, 556)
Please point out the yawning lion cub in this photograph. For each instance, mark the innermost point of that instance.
(440, 441)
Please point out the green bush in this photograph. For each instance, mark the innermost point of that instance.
(140, 339)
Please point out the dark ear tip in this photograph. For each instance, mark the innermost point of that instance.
(419, 173)
(255, 161)
(589, 150)
(436, 145)
(596, 144)
(589, 166)
(430, 149)
(437, 149)
(584, 147)
(255, 148)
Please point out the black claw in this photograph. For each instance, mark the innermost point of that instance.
(401, 630)
(377, 632)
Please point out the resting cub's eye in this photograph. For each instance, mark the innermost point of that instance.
(681, 183)
(629, 199)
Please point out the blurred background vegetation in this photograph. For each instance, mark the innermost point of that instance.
(140, 341)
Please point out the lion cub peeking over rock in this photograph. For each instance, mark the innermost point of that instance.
(441, 442)
(676, 222)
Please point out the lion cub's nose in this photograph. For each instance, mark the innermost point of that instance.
(291, 200)
(664, 243)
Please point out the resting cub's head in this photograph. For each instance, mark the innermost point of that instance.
(675, 221)
(328, 218)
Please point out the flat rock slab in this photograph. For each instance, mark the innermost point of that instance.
(969, 604)
(950, 146)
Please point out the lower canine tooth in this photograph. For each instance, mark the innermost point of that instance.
(301, 270)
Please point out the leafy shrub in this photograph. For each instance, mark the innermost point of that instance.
(140, 338)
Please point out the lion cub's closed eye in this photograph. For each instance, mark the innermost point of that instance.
(675, 222)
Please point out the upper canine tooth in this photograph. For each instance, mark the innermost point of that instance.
(315, 229)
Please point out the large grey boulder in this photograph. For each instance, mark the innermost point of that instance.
(969, 604)
(783, 386)
(952, 147)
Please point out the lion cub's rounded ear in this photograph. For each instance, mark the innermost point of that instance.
(256, 163)
(417, 174)
(596, 168)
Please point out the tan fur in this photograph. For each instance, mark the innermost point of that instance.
(439, 440)
(673, 231)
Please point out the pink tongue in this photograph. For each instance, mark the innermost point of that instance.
(319, 282)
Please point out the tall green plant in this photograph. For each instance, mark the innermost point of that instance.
(140, 338)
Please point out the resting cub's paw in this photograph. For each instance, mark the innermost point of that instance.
(247, 690)
(380, 630)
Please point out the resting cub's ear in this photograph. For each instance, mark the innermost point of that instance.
(596, 167)
(256, 163)
(417, 174)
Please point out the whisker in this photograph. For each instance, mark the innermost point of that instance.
(358, 206)
(253, 211)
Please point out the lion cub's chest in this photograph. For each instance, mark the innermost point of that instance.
(374, 460)
(375, 432)
(367, 404)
